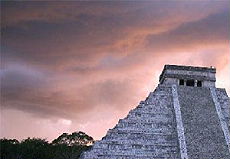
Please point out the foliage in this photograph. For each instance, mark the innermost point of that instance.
(9, 149)
(66, 146)
(76, 138)
(70, 146)
(35, 148)
(63, 151)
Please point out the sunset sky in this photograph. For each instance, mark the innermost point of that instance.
(81, 66)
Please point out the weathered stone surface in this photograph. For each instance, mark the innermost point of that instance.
(225, 104)
(171, 74)
(147, 132)
(203, 131)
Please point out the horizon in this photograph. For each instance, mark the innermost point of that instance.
(82, 66)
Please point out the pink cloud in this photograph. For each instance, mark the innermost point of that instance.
(85, 64)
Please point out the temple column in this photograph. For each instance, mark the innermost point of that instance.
(195, 83)
(185, 81)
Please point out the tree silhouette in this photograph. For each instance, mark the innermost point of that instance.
(70, 146)
(9, 149)
(66, 146)
(35, 148)
(76, 138)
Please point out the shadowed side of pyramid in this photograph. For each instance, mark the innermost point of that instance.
(224, 101)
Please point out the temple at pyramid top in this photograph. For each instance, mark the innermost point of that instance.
(188, 76)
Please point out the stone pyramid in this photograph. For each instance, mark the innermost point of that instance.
(186, 117)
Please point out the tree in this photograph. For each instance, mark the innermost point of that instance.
(9, 149)
(66, 146)
(76, 138)
(35, 148)
(70, 146)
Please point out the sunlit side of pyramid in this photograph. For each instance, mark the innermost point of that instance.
(185, 117)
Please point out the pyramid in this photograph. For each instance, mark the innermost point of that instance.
(185, 117)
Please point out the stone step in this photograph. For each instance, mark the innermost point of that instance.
(137, 131)
(152, 114)
(158, 102)
(135, 154)
(158, 112)
(152, 127)
(145, 123)
(136, 136)
(152, 117)
(224, 104)
(221, 92)
(140, 156)
(156, 124)
(163, 87)
(131, 145)
(155, 130)
(155, 105)
(161, 95)
(140, 133)
(224, 101)
(112, 144)
(163, 152)
(134, 157)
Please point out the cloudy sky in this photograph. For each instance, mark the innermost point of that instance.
(80, 66)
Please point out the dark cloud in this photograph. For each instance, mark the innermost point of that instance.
(22, 88)
(31, 90)
(96, 60)
(54, 33)
(35, 91)
(213, 29)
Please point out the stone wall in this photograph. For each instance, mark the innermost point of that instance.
(172, 74)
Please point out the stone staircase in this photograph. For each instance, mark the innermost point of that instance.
(148, 131)
(203, 132)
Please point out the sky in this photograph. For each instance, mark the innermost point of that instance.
(81, 66)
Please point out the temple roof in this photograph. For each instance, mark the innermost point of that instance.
(188, 72)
